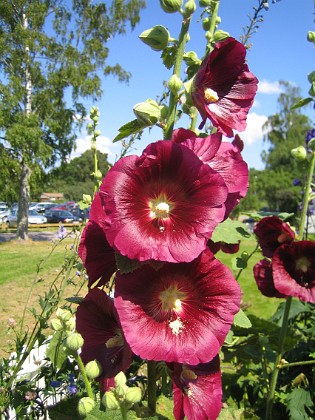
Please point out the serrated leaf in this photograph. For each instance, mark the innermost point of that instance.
(302, 102)
(230, 231)
(241, 320)
(132, 127)
(55, 351)
(169, 55)
(297, 400)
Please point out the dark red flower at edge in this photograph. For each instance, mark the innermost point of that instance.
(97, 321)
(224, 88)
(180, 313)
(197, 390)
(272, 232)
(97, 255)
(163, 205)
(293, 267)
(264, 279)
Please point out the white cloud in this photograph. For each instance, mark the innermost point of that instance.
(269, 87)
(104, 145)
(254, 131)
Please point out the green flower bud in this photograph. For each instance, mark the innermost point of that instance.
(63, 314)
(148, 112)
(174, 84)
(190, 8)
(85, 406)
(311, 77)
(311, 36)
(209, 36)
(86, 198)
(206, 23)
(299, 153)
(120, 391)
(95, 119)
(157, 37)
(312, 89)
(70, 325)
(97, 174)
(164, 112)
(90, 126)
(244, 256)
(220, 35)
(110, 401)
(191, 58)
(97, 133)
(56, 324)
(171, 6)
(120, 379)
(133, 395)
(93, 145)
(74, 341)
(93, 369)
(204, 3)
(311, 144)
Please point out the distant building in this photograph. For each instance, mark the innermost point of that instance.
(51, 196)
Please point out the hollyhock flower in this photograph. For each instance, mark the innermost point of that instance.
(180, 313)
(97, 255)
(224, 88)
(163, 205)
(197, 390)
(293, 267)
(223, 157)
(98, 323)
(272, 232)
(264, 279)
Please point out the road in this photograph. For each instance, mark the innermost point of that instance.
(35, 236)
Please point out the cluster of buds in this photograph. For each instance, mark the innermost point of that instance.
(66, 322)
(149, 112)
(121, 397)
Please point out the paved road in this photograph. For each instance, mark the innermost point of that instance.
(35, 236)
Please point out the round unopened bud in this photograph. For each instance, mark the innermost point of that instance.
(120, 391)
(206, 23)
(190, 8)
(311, 144)
(97, 174)
(97, 133)
(171, 6)
(74, 341)
(120, 379)
(157, 37)
(85, 406)
(63, 314)
(244, 256)
(87, 199)
(90, 126)
(70, 325)
(110, 401)
(93, 369)
(311, 36)
(311, 76)
(174, 84)
(204, 3)
(56, 324)
(133, 395)
(299, 153)
(148, 112)
(93, 145)
(191, 58)
(220, 35)
(95, 119)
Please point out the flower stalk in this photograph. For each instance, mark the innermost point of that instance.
(86, 381)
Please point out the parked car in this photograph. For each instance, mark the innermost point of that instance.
(4, 211)
(33, 218)
(55, 215)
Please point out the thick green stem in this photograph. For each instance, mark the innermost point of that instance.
(275, 373)
(306, 196)
(86, 381)
(182, 40)
(151, 386)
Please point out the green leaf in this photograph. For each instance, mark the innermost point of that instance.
(230, 231)
(241, 320)
(302, 102)
(169, 55)
(297, 401)
(55, 351)
(132, 127)
(74, 299)
(125, 265)
(238, 263)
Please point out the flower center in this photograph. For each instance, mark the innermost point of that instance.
(211, 96)
(116, 341)
(171, 299)
(302, 264)
(160, 208)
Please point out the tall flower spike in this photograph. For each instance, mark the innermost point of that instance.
(224, 88)
(163, 205)
(180, 313)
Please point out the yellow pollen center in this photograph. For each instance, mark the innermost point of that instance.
(160, 208)
(211, 96)
(176, 326)
(171, 299)
(302, 264)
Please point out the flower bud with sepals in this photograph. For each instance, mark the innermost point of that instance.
(174, 84)
(93, 369)
(171, 6)
(205, 3)
(74, 342)
(157, 37)
(110, 401)
(85, 406)
(189, 8)
(311, 36)
(148, 112)
(299, 153)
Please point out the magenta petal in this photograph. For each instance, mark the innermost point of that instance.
(264, 279)
(169, 170)
(180, 313)
(197, 391)
(98, 323)
(293, 267)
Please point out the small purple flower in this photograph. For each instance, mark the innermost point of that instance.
(296, 182)
(55, 384)
(72, 389)
(309, 135)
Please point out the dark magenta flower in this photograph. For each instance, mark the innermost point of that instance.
(97, 255)
(264, 279)
(197, 390)
(272, 232)
(180, 313)
(224, 88)
(293, 267)
(224, 157)
(98, 323)
(163, 205)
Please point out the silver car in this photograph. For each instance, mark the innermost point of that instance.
(33, 218)
(4, 211)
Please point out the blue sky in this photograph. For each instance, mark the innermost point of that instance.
(279, 51)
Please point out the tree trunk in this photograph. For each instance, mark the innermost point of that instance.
(24, 199)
